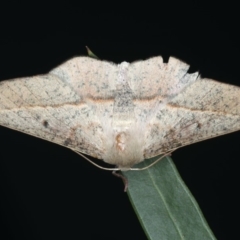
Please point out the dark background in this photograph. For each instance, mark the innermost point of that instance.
(47, 191)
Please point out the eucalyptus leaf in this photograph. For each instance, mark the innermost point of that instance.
(165, 207)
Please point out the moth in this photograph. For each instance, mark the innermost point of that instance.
(120, 113)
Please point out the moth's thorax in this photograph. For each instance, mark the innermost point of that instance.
(124, 147)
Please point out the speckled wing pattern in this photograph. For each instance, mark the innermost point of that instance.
(121, 113)
(182, 108)
(66, 106)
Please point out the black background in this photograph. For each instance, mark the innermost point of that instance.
(47, 191)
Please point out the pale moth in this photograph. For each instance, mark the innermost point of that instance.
(120, 113)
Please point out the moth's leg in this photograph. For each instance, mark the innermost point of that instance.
(125, 181)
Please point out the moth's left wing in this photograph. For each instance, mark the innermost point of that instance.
(203, 110)
(174, 108)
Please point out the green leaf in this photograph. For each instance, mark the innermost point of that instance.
(90, 53)
(165, 207)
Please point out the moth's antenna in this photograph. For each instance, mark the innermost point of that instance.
(144, 168)
(125, 180)
(118, 169)
(96, 165)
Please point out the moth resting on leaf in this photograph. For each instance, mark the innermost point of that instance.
(120, 113)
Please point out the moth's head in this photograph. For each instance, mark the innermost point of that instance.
(125, 150)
